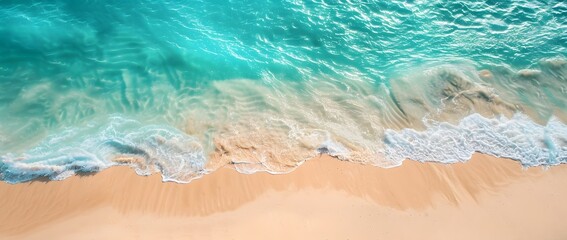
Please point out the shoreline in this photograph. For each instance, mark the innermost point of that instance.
(498, 197)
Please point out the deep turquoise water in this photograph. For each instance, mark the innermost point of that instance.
(182, 87)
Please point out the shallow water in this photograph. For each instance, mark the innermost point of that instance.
(183, 87)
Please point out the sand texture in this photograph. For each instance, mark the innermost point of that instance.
(485, 198)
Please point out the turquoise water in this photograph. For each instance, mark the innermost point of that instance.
(183, 87)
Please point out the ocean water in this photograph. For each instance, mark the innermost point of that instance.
(184, 87)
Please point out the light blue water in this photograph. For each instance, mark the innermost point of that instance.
(182, 87)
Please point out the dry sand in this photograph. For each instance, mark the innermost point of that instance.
(485, 198)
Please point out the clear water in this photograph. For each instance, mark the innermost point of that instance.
(183, 87)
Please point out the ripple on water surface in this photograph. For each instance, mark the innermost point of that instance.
(184, 87)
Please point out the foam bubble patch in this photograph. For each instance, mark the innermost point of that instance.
(517, 138)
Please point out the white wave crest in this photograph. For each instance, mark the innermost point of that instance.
(517, 138)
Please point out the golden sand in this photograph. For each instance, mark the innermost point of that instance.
(485, 198)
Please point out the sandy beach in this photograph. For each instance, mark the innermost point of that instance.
(485, 198)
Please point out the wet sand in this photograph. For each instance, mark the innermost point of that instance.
(485, 198)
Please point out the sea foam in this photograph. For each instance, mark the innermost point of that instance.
(147, 148)
(181, 158)
(517, 138)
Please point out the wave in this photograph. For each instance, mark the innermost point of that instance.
(147, 148)
(181, 158)
(443, 112)
(518, 138)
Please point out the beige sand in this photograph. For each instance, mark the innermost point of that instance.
(485, 198)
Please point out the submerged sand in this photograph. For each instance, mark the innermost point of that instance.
(485, 198)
